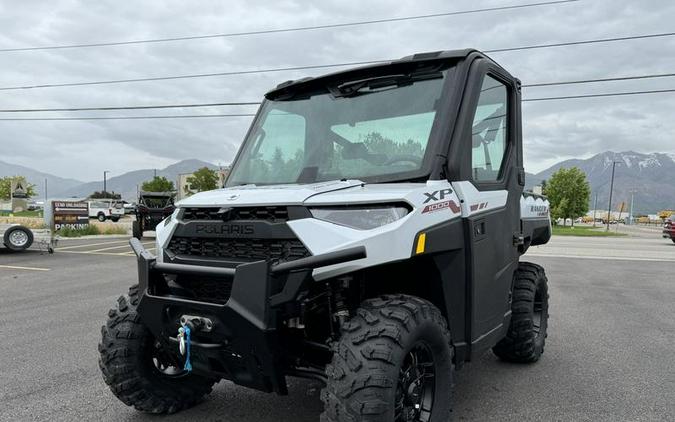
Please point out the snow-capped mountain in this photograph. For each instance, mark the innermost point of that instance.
(650, 176)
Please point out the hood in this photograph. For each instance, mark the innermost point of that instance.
(251, 195)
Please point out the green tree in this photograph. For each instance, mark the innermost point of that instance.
(6, 186)
(158, 184)
(202, 180)
(105, 195)
(569, 194)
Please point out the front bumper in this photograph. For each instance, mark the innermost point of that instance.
(244, 344)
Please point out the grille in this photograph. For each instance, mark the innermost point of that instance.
(205, 289)
(277, 250)
(272, 214)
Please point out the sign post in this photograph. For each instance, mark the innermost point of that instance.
(70, 214)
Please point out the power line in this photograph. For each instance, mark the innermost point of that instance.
(588, 81)
(183, 116)
(189, 116)
(199, 75)
(323, 66)
(246, 103)
(601, 40)
(144, 107)
(296, 29)
(607, 94)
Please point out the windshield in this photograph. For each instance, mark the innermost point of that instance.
(380, 131)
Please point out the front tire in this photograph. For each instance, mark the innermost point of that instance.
(138, 371)
(18, 238)
(393, 363)
(101, 217)
(136, 230)
(525, 339)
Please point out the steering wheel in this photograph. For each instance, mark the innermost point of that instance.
(404, 158)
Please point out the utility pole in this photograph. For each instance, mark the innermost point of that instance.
(630, 216)
(611, 188)
(105, 181)
(595, 207)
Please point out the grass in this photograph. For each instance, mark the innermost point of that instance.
(21, 214)
(90, 230)
(585, 231)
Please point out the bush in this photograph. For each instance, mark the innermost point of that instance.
(88, 230)
(91, 229)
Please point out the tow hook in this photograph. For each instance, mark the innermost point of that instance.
(188, 324)
(197, 323)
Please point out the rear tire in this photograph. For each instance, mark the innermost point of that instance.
(394, 353)
(130, 363)
(18, 238)
(525, 339)
(136, 230)
(114, 219)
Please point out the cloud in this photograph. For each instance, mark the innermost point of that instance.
(552, 130)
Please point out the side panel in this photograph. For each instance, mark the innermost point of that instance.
(491, 259)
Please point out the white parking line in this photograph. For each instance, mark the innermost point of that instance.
(16, 267)
(115, 247)
(92, 244)
(131, 253)
(608, 258)
(95, 253)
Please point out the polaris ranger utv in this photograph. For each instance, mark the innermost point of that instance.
(152, 208)
(368, 236)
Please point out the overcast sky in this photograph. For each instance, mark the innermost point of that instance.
(553, 130)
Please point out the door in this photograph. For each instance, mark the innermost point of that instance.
(491, 206)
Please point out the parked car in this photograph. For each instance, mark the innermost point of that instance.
(106, 209)
(129, 208)
(669, 228)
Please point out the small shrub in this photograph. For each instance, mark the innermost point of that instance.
(88, 230)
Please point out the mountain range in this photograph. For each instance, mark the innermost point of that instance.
(125, 184)
(651, 178)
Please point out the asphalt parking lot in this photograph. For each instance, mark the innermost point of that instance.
(609, 355)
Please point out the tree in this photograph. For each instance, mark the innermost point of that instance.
(158, 184)
(202, 180)
(569, 194)
(105, 195)
(6, 186)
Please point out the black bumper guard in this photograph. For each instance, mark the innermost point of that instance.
(243, 345)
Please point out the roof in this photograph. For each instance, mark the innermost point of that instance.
(362, 71)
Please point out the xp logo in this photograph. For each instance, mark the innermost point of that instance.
(438, 203)
(437, 195)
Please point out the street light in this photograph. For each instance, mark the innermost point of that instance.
(104, 181)
(611, 188)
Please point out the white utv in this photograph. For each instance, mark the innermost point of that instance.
(368, 236)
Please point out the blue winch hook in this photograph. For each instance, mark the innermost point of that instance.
(184, 345)
(188, 365)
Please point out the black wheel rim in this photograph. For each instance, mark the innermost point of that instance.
(164, 363)
(416, 386)
(538, 311)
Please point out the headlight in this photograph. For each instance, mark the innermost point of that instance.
(364, 217)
